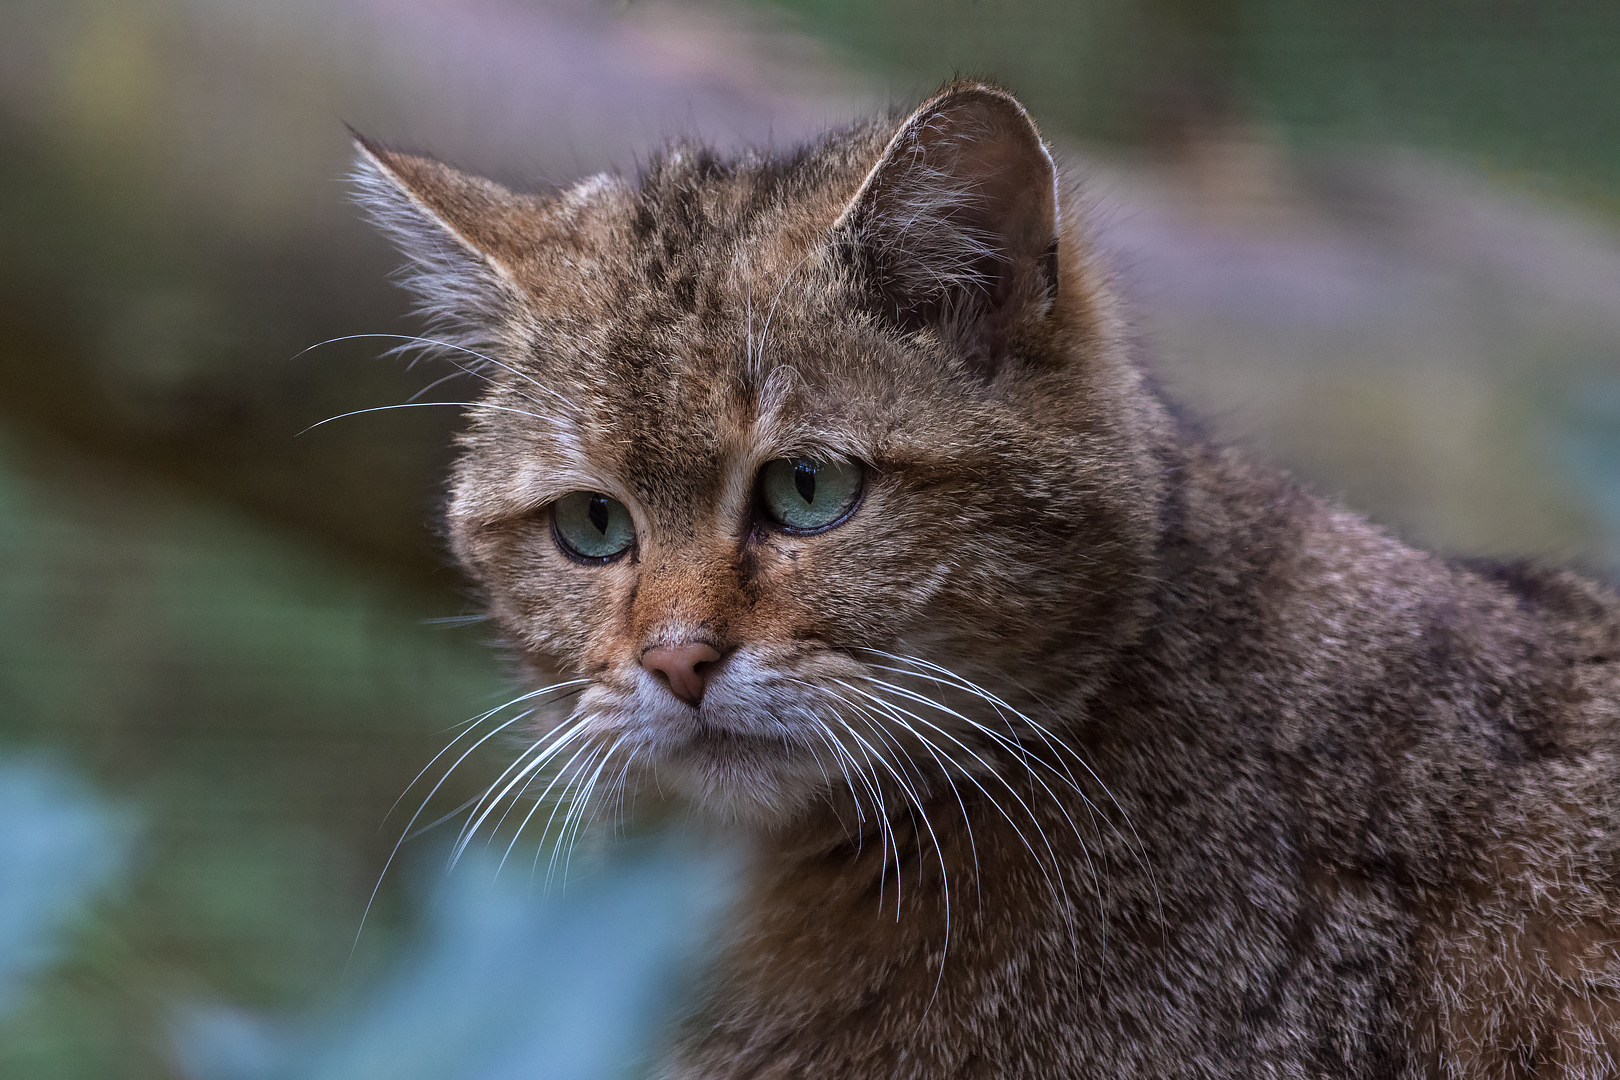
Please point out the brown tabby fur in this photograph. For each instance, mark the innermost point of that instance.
(1276, 795)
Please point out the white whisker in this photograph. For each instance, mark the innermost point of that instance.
(469, 725)
(1015, 747)
(945, 774)
(436, 383)
(440, 820)
(1134, 844)
(1057, 802)
(895, 713)
(578, 805)
(410, 339)
(570, 776)
(406, 832)
(546, 755)
(885, 826)
(551, 743)
(424, 405)
(619, 789)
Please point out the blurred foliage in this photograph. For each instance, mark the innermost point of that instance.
(1530, 86)
(260, 704)
(1590, 445)
(153, 328)
(502, 985)
(62, 844)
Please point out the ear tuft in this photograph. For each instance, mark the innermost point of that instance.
(957, 223)
(467, 239)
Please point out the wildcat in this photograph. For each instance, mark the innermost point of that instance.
(1068, 743)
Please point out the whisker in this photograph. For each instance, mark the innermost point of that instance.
(1050, 738)
(748, 321)
(841, 754)
(583, 799)
(440, 820)
(1059, 887)
(515, 765)
(1135, 844)
(424, 405)
(547, 754)
(765, 332)
(1000, 707)
(567, 770)
(539, 801)
(1011, 744)
(885, 826)
(939, 853)
(917, 802)
(826, 737)
(579, 685)
(394, 851)
(945, 773)
(1003, 740)
(469, 725)
(522, 784)
(576, 809)
(410, 339)
(553, 744)
(455, 620)
(618, 791)
(1139, 851)
(461, 369)
(894, 712)
(456, 374)
(457, 764)
(475, 819)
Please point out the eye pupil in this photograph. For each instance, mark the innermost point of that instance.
(597, 512)
(591, 527)
(804, 480)
(804, 496)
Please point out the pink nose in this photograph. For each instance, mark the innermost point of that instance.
(685, 667)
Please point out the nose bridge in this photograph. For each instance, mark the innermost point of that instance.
(687, 596)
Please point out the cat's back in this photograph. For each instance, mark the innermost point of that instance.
(1433, 745)
(1320, 635)
(1525, 951)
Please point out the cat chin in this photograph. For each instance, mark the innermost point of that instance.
(742, 780)
(762, 776)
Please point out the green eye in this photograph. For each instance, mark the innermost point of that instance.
(591, 527)
(806, 496)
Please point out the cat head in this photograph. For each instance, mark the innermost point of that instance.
(780, 453)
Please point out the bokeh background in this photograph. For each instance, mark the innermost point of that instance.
(1379, 241)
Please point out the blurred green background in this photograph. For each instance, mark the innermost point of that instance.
(1379, 241)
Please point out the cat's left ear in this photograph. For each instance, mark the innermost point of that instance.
(468, 239)
(956, 225)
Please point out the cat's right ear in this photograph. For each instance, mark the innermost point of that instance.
(955, 228)
(468, 239)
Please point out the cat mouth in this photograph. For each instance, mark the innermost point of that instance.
(729, 743)
(745, 776)
(719, 729)
(710, 741)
